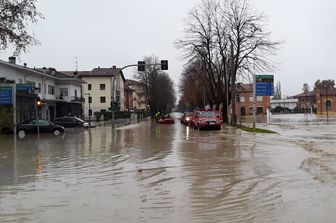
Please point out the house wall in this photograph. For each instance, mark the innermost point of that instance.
(71, 92)
(96, 93)
(245, 104)
(321, 104)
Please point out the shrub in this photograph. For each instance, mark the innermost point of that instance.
(6, 121)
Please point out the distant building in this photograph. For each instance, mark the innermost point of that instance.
(306, 101)
(135, 96)
(325, 101)
(289, 103)
(244, 104)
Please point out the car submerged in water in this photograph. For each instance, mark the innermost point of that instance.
(206, 119)
(40, 125)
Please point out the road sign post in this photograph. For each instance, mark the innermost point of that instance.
(263, 85)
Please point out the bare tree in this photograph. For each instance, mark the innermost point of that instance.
(158, 87)
(15, 16)
(277, 94)
(229, 38)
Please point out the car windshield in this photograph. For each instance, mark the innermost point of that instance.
(188, 114)
(207, 114)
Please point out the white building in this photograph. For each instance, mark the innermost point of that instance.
(48, 84)
(102, 86)
(289, 103)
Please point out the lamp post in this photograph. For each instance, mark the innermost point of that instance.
(327, 104)
(89, 101)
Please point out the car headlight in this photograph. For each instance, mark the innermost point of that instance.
(188, 119)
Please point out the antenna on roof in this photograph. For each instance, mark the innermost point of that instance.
(76, 64)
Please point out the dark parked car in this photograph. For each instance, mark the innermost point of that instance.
(70, 122)
(30, 126)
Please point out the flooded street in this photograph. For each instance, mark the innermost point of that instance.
(171, 173)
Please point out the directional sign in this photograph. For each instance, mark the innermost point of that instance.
(6, 96)
(264, 85)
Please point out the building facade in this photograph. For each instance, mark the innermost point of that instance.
(46, 82)
(244, 101)
(306, 101)
(326, 101)
(135, 96)
(102, 86)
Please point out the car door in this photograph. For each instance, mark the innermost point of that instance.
(45, 126)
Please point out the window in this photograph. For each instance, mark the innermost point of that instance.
(102, 99)
(242, 99)
(90, 99)
(251, 98)
(90, 112)
(89, 87)
(259, 110)
(102, 110)
(102, 86)
(39, 87)
(75, 93)
(118, 98)
(51, 89)
(328, 105)
(64, 91)
(259, 98)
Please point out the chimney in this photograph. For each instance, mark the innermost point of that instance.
(12, 60)
(114, 67)
(25, 64)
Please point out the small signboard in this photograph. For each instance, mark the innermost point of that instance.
(264, 85)
(24, 87)
(6, 96)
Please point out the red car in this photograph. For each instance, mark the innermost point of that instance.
(205, 119)
(187, 118)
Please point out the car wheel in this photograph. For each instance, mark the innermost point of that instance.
(57, 132)
(22, 134)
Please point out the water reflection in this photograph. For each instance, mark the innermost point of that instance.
(147, 172)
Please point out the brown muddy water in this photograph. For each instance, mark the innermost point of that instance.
(170, 173)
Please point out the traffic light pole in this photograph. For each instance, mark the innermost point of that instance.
(164, 66)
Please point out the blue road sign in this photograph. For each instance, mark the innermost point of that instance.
(6, 96)
(265, 85)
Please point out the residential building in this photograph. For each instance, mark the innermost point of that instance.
(102, 86)
(244, 101)
(46, 83)
(325, 101)
(135, 96)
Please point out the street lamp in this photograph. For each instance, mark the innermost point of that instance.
(327, 102)
(89, 101)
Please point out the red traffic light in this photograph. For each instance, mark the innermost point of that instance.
(164, 64)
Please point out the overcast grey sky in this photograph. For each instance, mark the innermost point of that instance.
(120, 32)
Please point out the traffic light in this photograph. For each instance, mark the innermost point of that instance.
(164, 64)
(141, 65)
(38, 102)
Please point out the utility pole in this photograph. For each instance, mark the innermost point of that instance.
(14, 108)
(254, 101)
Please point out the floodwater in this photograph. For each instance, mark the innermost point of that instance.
(170, 173)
